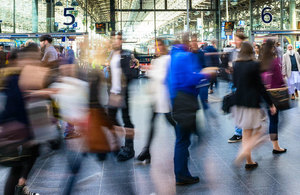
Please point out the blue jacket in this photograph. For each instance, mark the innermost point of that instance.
(211, 60)
(184, 74)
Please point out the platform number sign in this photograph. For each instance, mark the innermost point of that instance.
(100, 28)
(66, 14)
(266, 16)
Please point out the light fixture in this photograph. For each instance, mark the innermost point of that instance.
(58, 3)
(74, 3)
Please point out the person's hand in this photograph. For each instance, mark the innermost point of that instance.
(273, 110)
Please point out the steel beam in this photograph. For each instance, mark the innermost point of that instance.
(161, 10)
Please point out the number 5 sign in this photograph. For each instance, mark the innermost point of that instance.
(66, 14)
(264, 13)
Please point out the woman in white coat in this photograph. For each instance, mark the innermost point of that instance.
(160, 94)
(290, 69)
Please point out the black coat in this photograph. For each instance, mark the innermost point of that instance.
(129, 73)
(249, 86)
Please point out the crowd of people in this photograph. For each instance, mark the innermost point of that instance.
(178, 77)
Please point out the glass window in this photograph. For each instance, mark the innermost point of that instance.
(6, 15)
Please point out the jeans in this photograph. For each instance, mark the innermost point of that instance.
(204, 96)
(182, 153)
(273, 127)
(185, 107)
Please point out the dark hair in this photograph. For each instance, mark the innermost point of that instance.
(246, 52)
(176, 42)
(268, 53)
(257, 46)
(13, 55)
(194, 36)
(32, 47)
(46, 38)
(161, 40)
(185, 38)
(241, 36)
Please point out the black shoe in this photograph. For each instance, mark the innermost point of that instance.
(235, 138)
(251, 166)
(23, 190)
(187, 180)
(125, 153)
(101, 156)
(279, 152)
(144, 155)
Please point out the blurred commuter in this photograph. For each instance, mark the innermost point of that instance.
(291, 70)
(14, 117)
(272, 79)
(120, 78)
(239, 39)
(198, 55)
(160, 94)
(212, 60)
(257, 51)
(183, 77)
(135, 66)
(247, 112)
(279, 49)
(49, 52)
(70, 55)
(2, 57)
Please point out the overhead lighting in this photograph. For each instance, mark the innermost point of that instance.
(58, 3)
(74, 3)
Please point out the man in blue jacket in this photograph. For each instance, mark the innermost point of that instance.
(183, 77)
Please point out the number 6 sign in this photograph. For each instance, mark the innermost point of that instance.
(264, 14)
(69, 15)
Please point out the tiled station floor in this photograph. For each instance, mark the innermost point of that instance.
(211, 158)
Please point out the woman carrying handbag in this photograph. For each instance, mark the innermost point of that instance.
(247, 111)
(273, 80)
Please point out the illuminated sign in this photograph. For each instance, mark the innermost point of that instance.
(100, 28)
(229, 26)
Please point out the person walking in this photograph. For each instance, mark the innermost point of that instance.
(14, 113)
(49, 54)
(212, 59)
(247, 98)
(160, 94)
(183, 78)
(272, 78)
(120, 78)
(290, 70)
(239, 39)
(198, 56)
(2, 57)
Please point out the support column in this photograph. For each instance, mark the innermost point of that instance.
(251, 34)
(112, 15)
(292, 15)
(218, 24)
(49, 16)
(86, 11)
(35, 22)
(155, 21)
(14, 16)
(281, 21)
(187, 16)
